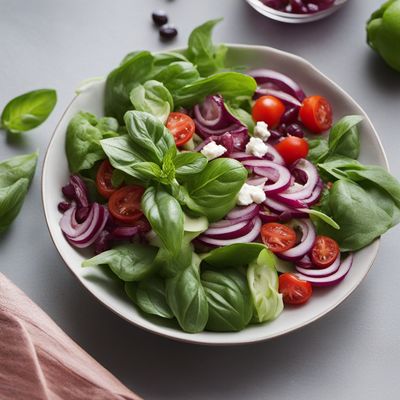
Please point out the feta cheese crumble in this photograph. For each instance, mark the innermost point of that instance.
(261, 131)
(256, 147)
(250, 194)
(212, 150)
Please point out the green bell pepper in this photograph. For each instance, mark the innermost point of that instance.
(383, 32)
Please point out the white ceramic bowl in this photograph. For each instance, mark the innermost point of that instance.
(293, 18)
(106, 290)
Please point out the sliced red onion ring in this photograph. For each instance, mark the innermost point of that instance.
(274, 156)
(205, 132)
(76, 190)
(284, 212)
(252, 235)
(333, 279)
(305, 262)
(306, 242)
(257, 181)
(270, 173)
(318, 272)
(125, 232)
(230, 232)
(240, 156)
(287, 99)
(84, 234)
(247, 212)
(279, 81)
(268, 216)
(315, 195)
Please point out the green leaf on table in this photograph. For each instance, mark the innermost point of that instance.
(28, 110)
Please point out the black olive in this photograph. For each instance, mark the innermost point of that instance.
(168, 32)
(160, 17)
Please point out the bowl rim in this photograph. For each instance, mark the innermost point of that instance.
(243, 341)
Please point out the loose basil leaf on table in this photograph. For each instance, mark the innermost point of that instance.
(187, 164)
(213, 191)
(130, 262)
(187, 299)
(149, 136)
(153, 97)
(165, 216)
(230, 306)
(16, 175)
(229, 84)
(149, 296)
(84, 134)
(262, 279)
(202, 52)
(122, 80)
(28, 110)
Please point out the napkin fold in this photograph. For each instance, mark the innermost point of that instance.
(38, 361)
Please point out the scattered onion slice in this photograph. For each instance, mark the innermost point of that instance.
(232, 231)
(318, 272)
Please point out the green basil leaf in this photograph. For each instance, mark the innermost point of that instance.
(229, 84)
(148, 170)
(242, 115)
(28, 110)
(187, 164)
(316, 215)
(262, 279)
(165, 216)
(340, 129)
(149, 296)
(17, 167)
(149, 135)
(318, 150)
(177, 74)
(130, 262)
(82, 144)
(213, 191)
(234, 255)
(153, 97)
(122, 80)
(169, 265)
(202, 52)
(187, 299)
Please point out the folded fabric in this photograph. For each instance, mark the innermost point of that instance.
(38, 361)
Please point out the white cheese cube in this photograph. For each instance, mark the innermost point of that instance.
(212, 150)
(256, 147)
(250, 194)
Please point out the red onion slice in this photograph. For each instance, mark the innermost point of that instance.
(287, 99)
(240, 156)
(230, 232)
(268, 216)
(305, 262)
(333, 279)
(270, 173)
(306, 242)
(275, 156)
(252, 235)
(125, 232)
(257, 181)
(249, 212)
(318, 272)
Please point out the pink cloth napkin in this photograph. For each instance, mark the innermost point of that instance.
(38, 361)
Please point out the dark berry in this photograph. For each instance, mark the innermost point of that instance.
(160, 17)
(168, 32)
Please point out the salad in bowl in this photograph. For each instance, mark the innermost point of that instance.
(219, 198)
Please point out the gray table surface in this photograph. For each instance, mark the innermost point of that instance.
(352, 353)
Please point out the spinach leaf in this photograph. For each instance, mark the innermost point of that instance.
(318, 149)
(262, 279)
(149, 135)
(28, 110)
(165, 216)
(316, 215)
(334, 167)
(82, 143)
(167, 58)
(177, 74)
(202, 52)
(153, 97)
(229, 84)
(187, 164)
(130, 262)
(149, 296)
(349, 145)
(242, 115)
(187, 299)
(234, 255)
(15, 177)
(213, 191)
(358, 213)
(122, 80)
(230, 306)
(339, 132)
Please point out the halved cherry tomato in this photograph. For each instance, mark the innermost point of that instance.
(293, 289)
(324, 252)
(268, 109)
(124, 204)
(278, 237)
(292, 148)
(316, 114)
(181, 126)
(103, 179)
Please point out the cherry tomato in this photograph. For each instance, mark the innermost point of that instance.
(324, 252)
(292, 148)
(268, 109)
(293, 289)
(124, 204)
(103, 179)
(316, 114)
(278, 237)
(181, 126)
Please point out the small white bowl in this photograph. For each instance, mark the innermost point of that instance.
(293, 18)
(110, 293)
